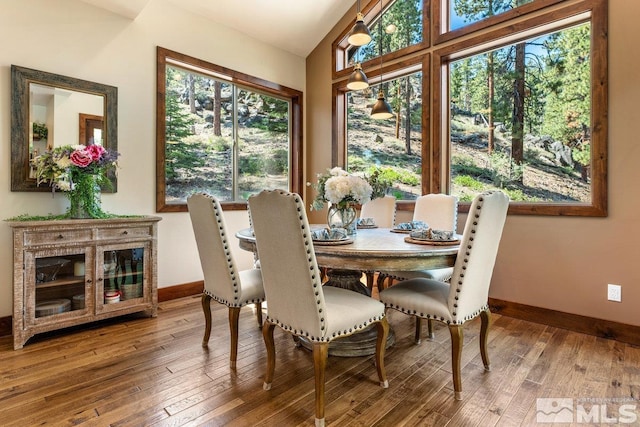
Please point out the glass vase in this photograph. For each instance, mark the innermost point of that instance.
(342, 217)
(85, 198)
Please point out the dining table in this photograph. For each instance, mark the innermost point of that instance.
(369, 250)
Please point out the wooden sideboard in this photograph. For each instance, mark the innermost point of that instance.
(70, 272)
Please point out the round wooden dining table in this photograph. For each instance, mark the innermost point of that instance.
(371, 249)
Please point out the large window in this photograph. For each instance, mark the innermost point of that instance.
(514, 97)
(223, 133)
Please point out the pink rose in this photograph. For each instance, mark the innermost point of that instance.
(96, 151)
(81, 158)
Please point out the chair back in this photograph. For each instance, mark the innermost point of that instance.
(221, 278)
(440, 211)
(290, 273)
(382, 210)
(469, 291)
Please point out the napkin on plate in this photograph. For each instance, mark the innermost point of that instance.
(366, 221)
(329, 234)
(413, 225)
(431, 234)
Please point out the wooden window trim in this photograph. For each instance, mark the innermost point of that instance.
(560, 19)
(371, 11)
(243, 80)
(446, 47)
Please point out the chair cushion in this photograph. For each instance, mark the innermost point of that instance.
(420, 297)
(349, 311)
(251, 283)
(439, 274)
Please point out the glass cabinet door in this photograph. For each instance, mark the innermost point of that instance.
(123, 272)
(62, 284)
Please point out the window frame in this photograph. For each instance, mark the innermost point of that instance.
(242, 80)
(476, 38)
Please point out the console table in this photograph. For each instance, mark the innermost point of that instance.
(75, 271)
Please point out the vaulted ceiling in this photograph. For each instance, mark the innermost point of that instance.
(296, 26)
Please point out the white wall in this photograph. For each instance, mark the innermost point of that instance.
(75, 39)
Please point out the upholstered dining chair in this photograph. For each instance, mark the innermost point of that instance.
(223, 282)
(440, 211)
(297, 301)
(383, 212)
(467, 296)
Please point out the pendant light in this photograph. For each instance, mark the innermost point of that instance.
(358, 79)
(381, 109)
(359, 33)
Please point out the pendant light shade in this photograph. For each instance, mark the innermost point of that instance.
(381, 109)
(358, 79)
(360, 34)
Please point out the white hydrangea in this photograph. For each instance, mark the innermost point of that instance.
(344, 188)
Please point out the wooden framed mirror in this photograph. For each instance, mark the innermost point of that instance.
(49, 110)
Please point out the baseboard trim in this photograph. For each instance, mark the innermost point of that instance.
(180, 291)
(164, 294)
(574, 322)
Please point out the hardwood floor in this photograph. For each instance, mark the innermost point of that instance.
(142, 372)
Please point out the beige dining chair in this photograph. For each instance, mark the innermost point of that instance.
(440, 212)
(383, 212)
(297, 301)
(223, 282)
(467, 296)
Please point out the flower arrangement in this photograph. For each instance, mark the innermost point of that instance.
(341, 189)
(79, 171)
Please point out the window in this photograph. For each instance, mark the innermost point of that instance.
(518, 103)
(224, 133)
(394, 146)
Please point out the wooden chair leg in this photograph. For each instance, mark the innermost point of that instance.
(381, 341)
(457, 339)
(267, 335)
(381, 279)
(234, 316)
(206, 309)
(430, 329)
(417, 337)
(369, 275)
(485, 318)
(259, 313)
(320, 353)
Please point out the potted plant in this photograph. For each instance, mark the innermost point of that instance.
(40, 131)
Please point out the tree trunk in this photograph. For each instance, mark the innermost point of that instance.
(407, 130)
(217, 105)
(490, 71)
(192, 93)
(518, 106)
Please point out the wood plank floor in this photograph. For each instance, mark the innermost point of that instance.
(154, 372)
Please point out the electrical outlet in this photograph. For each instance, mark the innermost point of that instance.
(614, 293)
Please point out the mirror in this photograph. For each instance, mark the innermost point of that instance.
(50, 110)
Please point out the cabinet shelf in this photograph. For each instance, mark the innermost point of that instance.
(71, 280)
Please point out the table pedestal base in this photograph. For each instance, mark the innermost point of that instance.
(361, 343)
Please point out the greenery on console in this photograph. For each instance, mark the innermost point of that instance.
(79, 171)
(52, 217)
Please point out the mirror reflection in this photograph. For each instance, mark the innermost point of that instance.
(59, 116)
(51, 110)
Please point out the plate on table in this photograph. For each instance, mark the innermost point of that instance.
(365, 226)
(432, 242)
(332, 242)
(400, 230)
